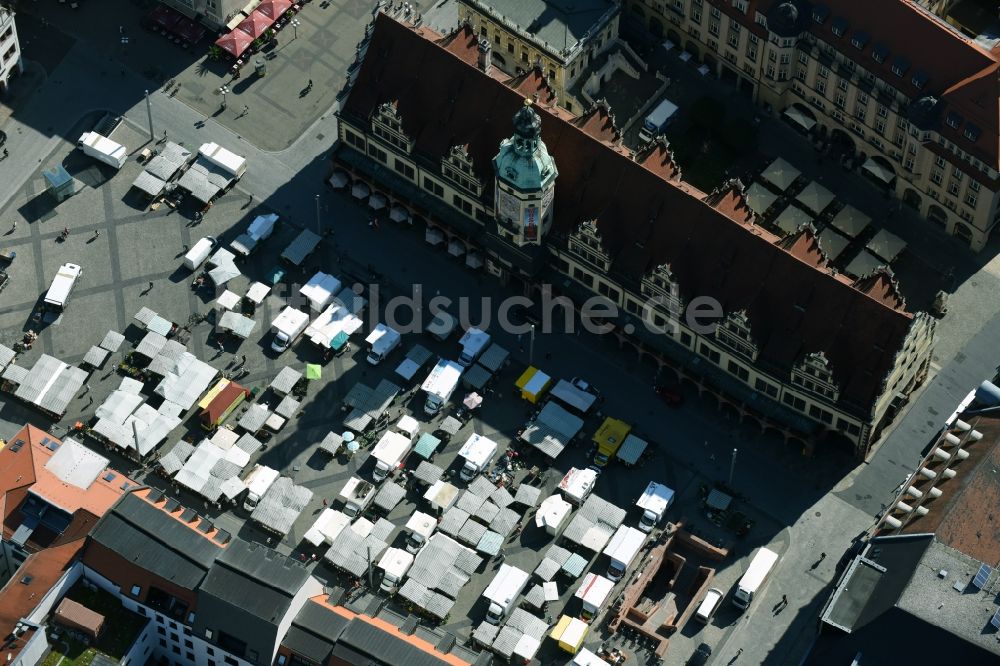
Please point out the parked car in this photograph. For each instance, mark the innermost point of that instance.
(700, 655)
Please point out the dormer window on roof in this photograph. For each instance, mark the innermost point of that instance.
(919, 79)
(953, 120)
(860, 39)
(839, 26)
(899, 65)
(971, 132)
(821, 13)
(880, 52)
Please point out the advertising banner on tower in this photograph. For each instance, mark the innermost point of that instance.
(531, 223)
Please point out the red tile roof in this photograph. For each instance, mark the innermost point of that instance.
(18, 599)
(444, 100)
(959, 70)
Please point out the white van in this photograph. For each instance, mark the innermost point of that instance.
(198, 253)
(62, 286)
(754, 578)
(708, 605)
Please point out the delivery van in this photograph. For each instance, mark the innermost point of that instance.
(753, 579)
(198, 253)
(62, 286)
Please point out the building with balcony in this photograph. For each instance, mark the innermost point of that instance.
(793, 345)
(891, 82)
(559, 37)
(930, 567)
(10, 49)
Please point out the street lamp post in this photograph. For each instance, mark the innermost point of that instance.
(531, 346)
(224, 89)
(319, 227)
(295, 27)
(732, 468)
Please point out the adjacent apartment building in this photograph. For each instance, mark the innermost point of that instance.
(931, 566)
(52, 493)
(890, 80)
(551, 202)
(216, 14)
(10, 49)
(559, 37)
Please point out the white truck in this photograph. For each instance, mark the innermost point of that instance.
(356, 494)
(320, 290)
(753, 579)
(257, 483)
(62, 286)
(440, 384)
(392, 448)
(593, 593)
(654, 502)
(260, 229)
(394, 564)
(102, 148)
(622, 549)
(503, 591)
(198, 253)
(381, 341)
(287, 327)
(577, 485)
(419, 529)
(225, 159)
(657, 120)
(478, 452)
(474, 343)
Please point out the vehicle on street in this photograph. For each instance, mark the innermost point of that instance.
(594, 592)
(419, 529)
(609, 438)
(474, 342)
(381, 341)
(700, 656)
(622, 549)
(356, 495)
(199, 252)
(478, 452)
(394, 564)
(260, 229)
(287, 327)
(257, 482)
(577, 484)
(709, 604)
(392, 448)
(503, 591)
(756, 574)
(654, 502)
(62, 286)
(103, 149)
(440, 384)
(657, 121)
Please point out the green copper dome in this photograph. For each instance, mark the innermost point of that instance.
(524, 162)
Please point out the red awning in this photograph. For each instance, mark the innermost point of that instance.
(274, 8)
(164, 17)
(255, 25)
(235, 43)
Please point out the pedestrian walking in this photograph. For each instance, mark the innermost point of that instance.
(324, 501)
(5, 153)
(310, 84)
(13, 227)
(784, 600)
(97, 233)
(150, 287)
(822, 556)
(739, 652)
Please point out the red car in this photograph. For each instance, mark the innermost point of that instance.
(669, 394)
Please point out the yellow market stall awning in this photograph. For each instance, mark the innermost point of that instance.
(533, 383)
(570, 633)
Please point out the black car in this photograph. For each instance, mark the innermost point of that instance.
(701, 655)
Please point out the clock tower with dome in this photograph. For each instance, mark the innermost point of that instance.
(525, 181)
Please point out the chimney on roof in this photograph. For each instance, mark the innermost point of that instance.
(484, 60)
